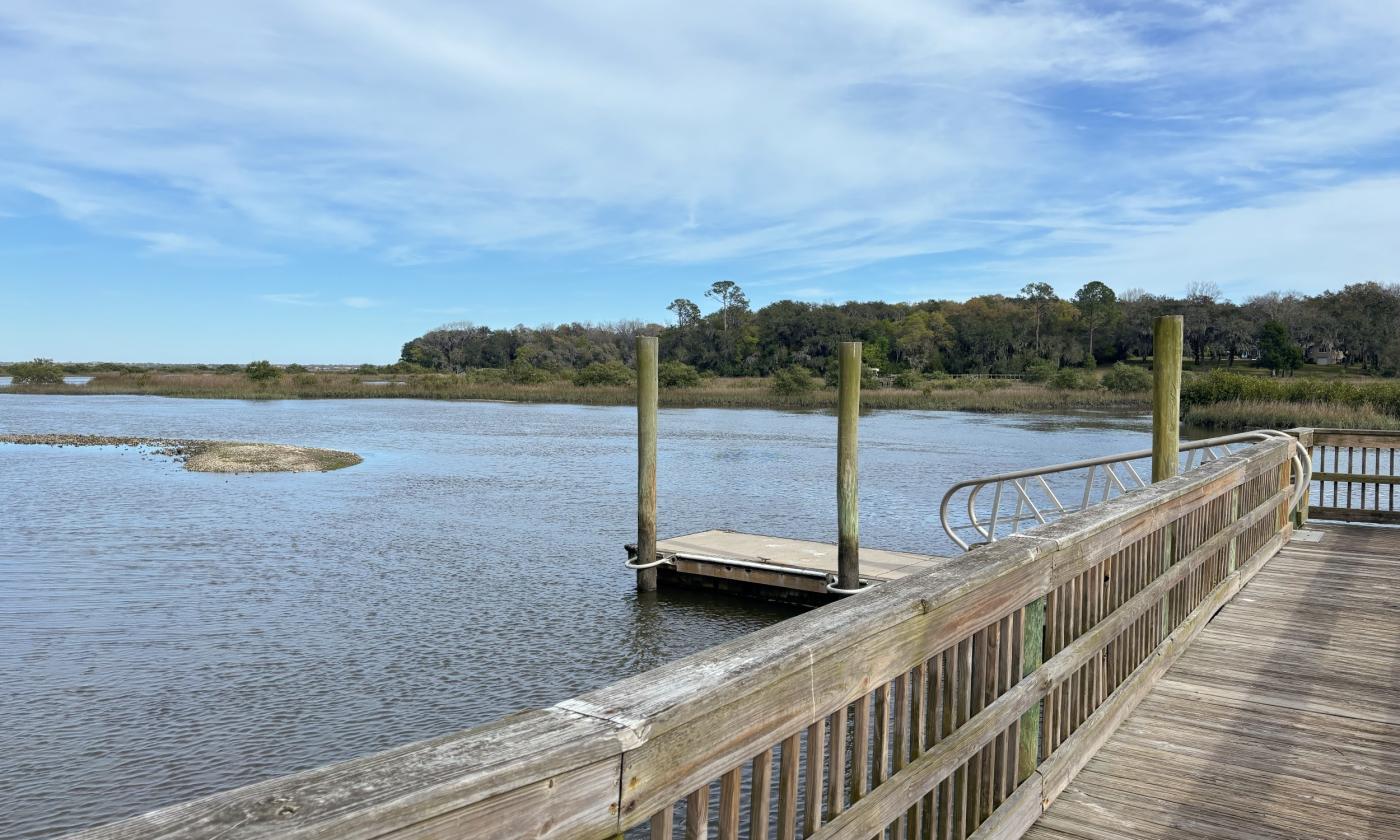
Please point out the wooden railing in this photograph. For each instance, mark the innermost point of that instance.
(1355, 474)
(952, 704)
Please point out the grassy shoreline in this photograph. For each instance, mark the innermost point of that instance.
(957, 395)
(1240, 415)
(720, 392)
(1217, 401)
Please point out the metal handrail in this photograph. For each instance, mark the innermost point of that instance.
(1026, 510)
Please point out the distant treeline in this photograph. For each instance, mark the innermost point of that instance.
(1359, 325)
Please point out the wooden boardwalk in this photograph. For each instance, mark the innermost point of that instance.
(1282, 720)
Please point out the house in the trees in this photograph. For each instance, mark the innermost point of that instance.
(1318, 356)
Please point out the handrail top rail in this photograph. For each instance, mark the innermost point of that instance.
(1099, 460)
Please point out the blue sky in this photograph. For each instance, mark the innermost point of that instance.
(320, 180)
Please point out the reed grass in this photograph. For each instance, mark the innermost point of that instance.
(1238, 415)
(1378, 395)
(746, 392)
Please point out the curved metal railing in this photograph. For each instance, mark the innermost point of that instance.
(1085, 483)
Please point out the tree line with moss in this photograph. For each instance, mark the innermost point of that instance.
(985, 334)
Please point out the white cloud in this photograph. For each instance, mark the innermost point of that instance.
(802, 138)
(359, 302)
(1344, 232)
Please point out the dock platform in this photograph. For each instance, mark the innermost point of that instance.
(772, 568)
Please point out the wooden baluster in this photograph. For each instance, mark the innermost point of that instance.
(1048, 631)
(730, 786)
(918, 684)
(836, 771)
(1028, 750)
(1351, 451)
(1006, 740)
(901, 737)
(663, 823)
(976, 764)
(759, 791)
(991, 667)
(964, 695)
(860, 749)
(812, 799)
(787, 789)
(947, 791)
(697, 814)
(880, 770)
(933, 733)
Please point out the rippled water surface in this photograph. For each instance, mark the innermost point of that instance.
(166, 634)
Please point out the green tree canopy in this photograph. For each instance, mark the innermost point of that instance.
(262, 371)
(1277, 352)
(37, 372)
(1098, 306)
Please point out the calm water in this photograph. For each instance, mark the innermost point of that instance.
(166, 634)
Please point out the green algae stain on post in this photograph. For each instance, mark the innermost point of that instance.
(1032, 650)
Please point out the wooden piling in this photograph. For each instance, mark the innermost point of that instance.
(646, 461)
(1166, 396)
(847, 503)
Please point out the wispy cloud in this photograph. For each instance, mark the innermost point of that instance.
(292, 298)
(690, 135)
(173, 243)
(359, 302)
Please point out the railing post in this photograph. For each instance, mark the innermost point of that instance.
(1166, 429)
(1305, 437)
(1166, 396)
(1032, 649)
(646, 461)
(847, 501)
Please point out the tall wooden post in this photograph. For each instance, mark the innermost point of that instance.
(1166, 430)
(1166, 396)
(646, 461)
(847, 502)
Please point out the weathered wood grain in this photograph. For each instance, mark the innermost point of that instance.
(556, 766)
(1279, 720)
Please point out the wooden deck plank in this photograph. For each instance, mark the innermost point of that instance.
(875, 563)
(1281, 721)
(776, 568)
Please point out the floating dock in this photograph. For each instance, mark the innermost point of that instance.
(772, 568)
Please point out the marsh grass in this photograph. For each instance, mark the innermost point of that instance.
(719, 392)
(1235, 415)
